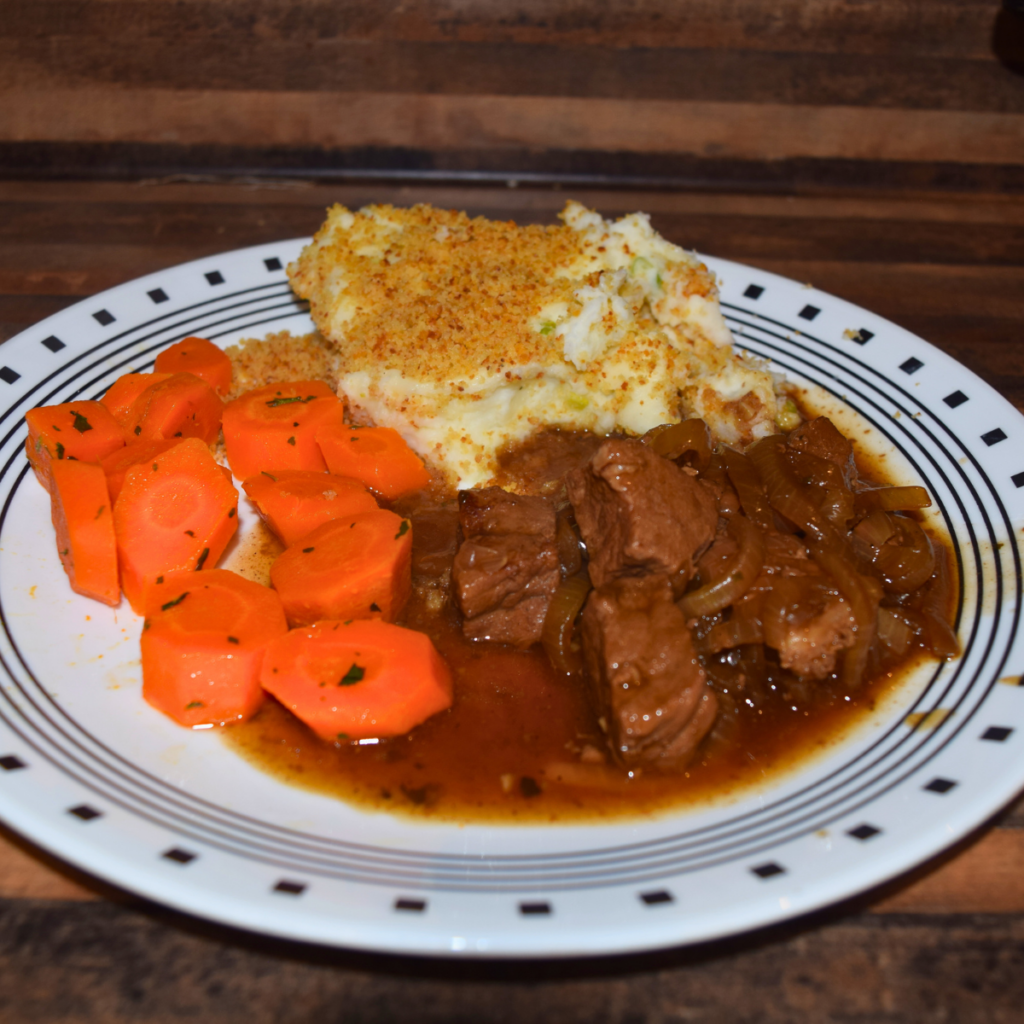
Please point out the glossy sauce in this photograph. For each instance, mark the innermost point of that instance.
(520, 743)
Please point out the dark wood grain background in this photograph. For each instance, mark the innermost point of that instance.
(874, 149)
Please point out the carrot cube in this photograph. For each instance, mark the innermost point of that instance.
(75, 430)
(274, 427)
(200, 357)
(294, 502)
(177, 512)
(80, 508)
(357, 680)
(376, 456)
(203, 645)
(353, 568)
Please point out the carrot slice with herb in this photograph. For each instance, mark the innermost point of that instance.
(357, 680)
(274, 427)
(200, 357)
(377, 456)
(180, 406)
(352, 568)
(117, 464)
(122, 394)
(80, 508)
(176, 512)
(293, 502)
(203, 643)
(75, 430)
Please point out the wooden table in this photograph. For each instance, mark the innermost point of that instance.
(945, 943)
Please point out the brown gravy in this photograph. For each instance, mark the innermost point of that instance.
(509, 749)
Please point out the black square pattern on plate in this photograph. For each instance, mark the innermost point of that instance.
(955, 399)
(273, 263)
(290, 888)
(178, 855)
(754, 291)
(657, 898)
(85, 812)
(912, 365)
(863, 832)
(53, 343)
(993, 437)
(808, 312)
(769, 870)
(410, 906)
(996, 733)
(1018, 479)
(214, 277)
(9, 376)
(102, 317)
(534, 909)
(862, 337)
(158, 295)
(10, 763)
(940, 786)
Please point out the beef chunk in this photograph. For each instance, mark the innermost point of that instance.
(646, 683)
(639, 513)
(808, 623)
(820, 438)
(506, 569)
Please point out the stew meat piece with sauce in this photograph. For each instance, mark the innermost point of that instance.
(640, 513)
(506, 569)
(645, 681)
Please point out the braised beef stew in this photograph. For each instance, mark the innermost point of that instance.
(738, 609)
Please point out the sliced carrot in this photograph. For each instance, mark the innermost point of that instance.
(203, 643)
(274, 427)
(75, 430)
(377, 456)
(294, 501)
(352, 568)
(198, 356)
(176, 512)
(117, 464)
(121, 395)
(80, 508)
(357, 680)
(180, 406)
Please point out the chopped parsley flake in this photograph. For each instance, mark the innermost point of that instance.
(403, 529)
(194, 704)
(353, 675)
(172, 604)
(204, 555)
(81, 424)
(291, 441)
(232, 639)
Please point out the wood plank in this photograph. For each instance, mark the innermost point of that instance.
(506, 69)
(83, 963)
(524, 204)
(984, 878)
(734, 130)
(901, 28)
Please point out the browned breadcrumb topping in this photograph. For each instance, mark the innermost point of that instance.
(442, 296)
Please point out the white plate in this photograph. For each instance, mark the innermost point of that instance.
(90, 772)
